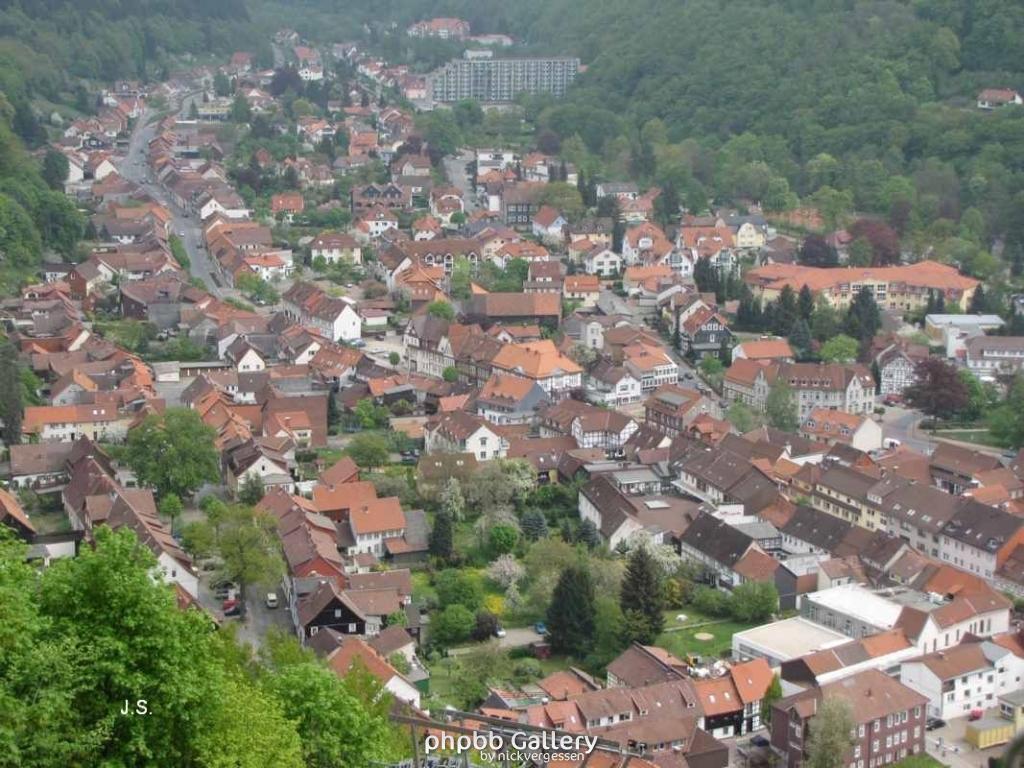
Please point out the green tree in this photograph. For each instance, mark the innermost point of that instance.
(221, 85)
(370, 415)
(780, 407)
(241, 112)
(588, 535)
(394, 358)
(336, 728)
(12, 409)
(441, 309)
(458, 587)
(772, 695)
(251, 491)
(534, 524)
(368, 450)
(460, 278)
(502, 539)
(171, 507)
(754, 601)
(800, 339)
(55, 169)
(247, 542)
(831, 734)
(840, 349)
(741, 417)
(450, 374)
(642, 598)
(863, 318)
(571, 615)
(452, 625)
(173, 452)
(442, 537)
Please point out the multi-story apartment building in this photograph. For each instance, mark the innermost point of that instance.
(889, 716)
(901, 287)
(849, 388)
(991, 356)
(482, 77)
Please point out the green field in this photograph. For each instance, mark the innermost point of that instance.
(977, 436)
(680, 637)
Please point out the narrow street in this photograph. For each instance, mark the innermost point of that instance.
(135, 168)
(455, 170)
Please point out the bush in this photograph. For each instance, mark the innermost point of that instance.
(486, 625)
(711, 602)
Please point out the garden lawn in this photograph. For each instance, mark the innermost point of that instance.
(977, 436)
(681, 639)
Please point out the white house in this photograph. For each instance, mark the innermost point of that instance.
(336, 246)
(963, 678)
(461, 432)
(602, 261)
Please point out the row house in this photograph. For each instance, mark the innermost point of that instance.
(612, 385)
(542, 362)
(510, 400)
(670, 409)
(336, 319)
(989, 357)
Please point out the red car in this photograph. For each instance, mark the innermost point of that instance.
(892, 400)
(976, 714)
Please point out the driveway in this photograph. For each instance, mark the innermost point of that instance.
(515, 637)
(902, 424)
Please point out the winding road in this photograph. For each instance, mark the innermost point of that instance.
(134, 168)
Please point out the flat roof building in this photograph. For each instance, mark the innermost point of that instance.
(784, 640)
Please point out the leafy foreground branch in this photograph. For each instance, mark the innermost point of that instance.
(82, 637)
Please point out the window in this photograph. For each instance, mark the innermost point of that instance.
(351, 628)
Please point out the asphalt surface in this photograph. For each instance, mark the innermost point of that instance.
(515, 637)
(455, 170)
(134, 168)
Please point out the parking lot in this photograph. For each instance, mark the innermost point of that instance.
(258, 618)
(947, 745)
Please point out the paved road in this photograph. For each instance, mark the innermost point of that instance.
(515, 637)
(902, 424)
(455, 170)
(134, 168)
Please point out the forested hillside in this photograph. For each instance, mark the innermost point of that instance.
(55, 56)
(865, 106)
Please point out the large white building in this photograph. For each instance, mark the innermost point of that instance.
(963, 678)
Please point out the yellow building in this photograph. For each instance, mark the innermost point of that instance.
(904, 287)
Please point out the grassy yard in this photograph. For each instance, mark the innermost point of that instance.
(977, 436)
(444, 679)
(680, 637)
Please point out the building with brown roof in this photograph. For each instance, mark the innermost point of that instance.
(889, 717)
(903, 287)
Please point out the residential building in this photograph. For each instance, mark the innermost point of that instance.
(461, 432)
(832, 427)
(990, 357)
(670, 408)
(897, 366)
(333, 247)
(965, 677)
(489, 79)
(337, 319)
(903, 287)
(889, 720)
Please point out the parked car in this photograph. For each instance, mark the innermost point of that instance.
(271, 600)
(358, 343)
(892, 399)
(976, 714)
(759, 741)
(934, 723)
(235, 609)
(500, 631)
(540, 628)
